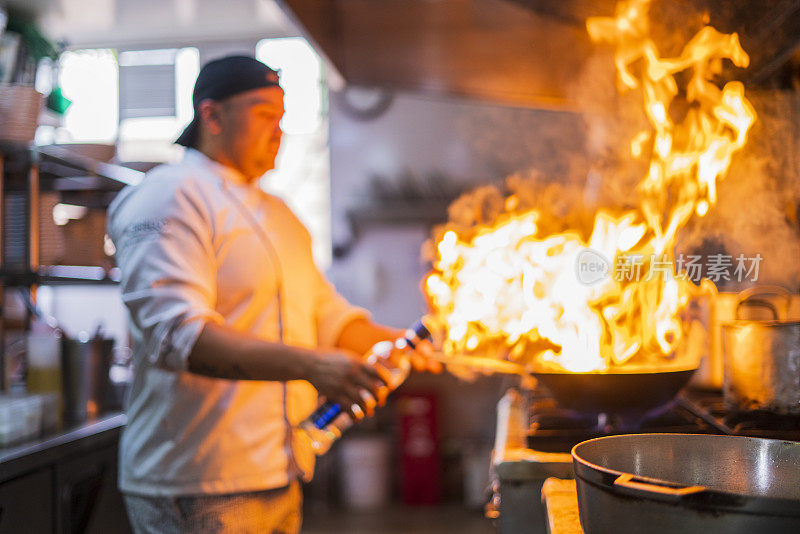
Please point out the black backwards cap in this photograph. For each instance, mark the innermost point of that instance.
(222, 78)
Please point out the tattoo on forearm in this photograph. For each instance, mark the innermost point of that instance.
(233, 372)
(240, 373)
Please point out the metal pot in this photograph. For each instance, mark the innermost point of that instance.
(85, 365)
(762, 358)
(722, 310)
(659, 483)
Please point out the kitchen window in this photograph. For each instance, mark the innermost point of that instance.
(302, 172)
(155, 102)
(139, 100)
(89, 78)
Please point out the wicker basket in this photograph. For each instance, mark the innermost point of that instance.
(19, 112)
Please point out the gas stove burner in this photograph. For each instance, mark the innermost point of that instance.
(556, 429)
(711, 407)
(746, 423)
(552, 428)
(551, 416)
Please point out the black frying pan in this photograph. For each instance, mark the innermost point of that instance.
(614, 393)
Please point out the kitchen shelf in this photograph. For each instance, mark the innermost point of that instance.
(60, 162)
(13, 147)
(19, 172)
(395, 214)
(78, 274)
(62, 274)
(390, 214)
(81, 180)
(25, 171)
(78, 179)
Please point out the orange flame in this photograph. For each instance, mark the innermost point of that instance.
(551, 300)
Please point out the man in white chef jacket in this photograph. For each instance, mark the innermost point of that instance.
(235, 330)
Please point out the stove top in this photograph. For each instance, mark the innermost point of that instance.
(535, 436)
(710, 406)
(555, 429)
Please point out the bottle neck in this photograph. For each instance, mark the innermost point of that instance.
(416, 334)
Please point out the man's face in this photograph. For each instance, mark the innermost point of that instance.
(250, 131)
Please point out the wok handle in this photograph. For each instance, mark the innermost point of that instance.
(627, 481)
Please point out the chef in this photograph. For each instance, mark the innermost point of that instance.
(235, 330)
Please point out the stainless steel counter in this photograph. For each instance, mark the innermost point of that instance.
(69, 441)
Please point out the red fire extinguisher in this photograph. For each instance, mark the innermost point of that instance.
(419, 449)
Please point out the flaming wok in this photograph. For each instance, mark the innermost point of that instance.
(604, 301)
(626, 394)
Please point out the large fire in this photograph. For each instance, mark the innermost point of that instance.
(502, 288)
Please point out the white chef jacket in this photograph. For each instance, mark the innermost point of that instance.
(189, 254)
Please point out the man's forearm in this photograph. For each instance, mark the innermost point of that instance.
(221, 352)
(340, 376)
(361, 334)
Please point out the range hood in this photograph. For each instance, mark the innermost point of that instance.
(517, 52)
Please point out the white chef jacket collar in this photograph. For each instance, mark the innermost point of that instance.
(192, 155)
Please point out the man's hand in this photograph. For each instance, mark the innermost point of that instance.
(360, 335)
(341, 377)
(422, 358)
